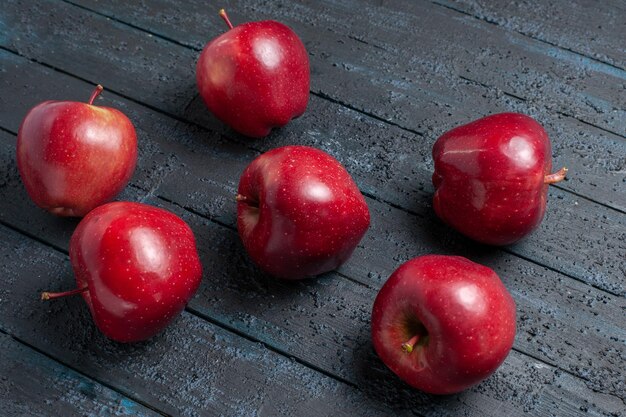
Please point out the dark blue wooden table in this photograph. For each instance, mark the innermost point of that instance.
(388, 77)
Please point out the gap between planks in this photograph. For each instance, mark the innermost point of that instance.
(513, 96)
(235, 331)
(248, 146)
(326, 97)
(317, 94)
(491, 22)
(77, 370)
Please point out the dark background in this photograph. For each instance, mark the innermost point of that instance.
(388, 77)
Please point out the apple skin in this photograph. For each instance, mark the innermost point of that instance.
(140, 266)
(463, 314)
(299, 213)
(255, 77)
(73, 157)
(491, 177)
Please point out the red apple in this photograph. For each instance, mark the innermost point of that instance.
(74, 156)
(491, 177)
(299, 212)
(443, 323)
(136, 267)
(255, 76)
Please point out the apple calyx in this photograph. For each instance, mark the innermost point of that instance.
(556, 177)
(246, 200)
(45, 296)
(224, 16)
(95, 93)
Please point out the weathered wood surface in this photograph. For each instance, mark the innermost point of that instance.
(334, 326)
(422, 39)
(194, 368)
(581, 27)
(31, 384)
(420, 81)
(336, 340)
(345, 69)
(380, 121)
(369, 147)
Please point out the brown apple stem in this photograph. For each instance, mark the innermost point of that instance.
(556, 177)
(408, 346)
(95, 93)
(224, 16)
(52, 295)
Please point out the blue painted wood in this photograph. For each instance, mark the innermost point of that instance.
(412, 73)
(388, 163)
(430, 98)
(214, 370)
(229, 168)
(32, 384)
(581, 27)
(315, 313)
(193, 368)
(378, 119)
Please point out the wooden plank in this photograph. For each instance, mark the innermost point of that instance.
(393, 232)
(395, 48)
(239, 297)
(222, 299)
(32, 384)
(379, 156)
(412, 48)
(586, 27)
(541, 392)
(429, 103)
(172, 65)
(211, 194)
(332, 315)
(195, 367)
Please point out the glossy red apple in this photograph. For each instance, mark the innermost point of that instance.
(136, 267)
(443, 323)
(299, 213)
(491, 177)
(74, 156)
(255, 76)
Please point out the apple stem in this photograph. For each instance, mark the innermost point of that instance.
(556, 177)
(95, 93)
(224, 16)
(408, 346)
(52, 295)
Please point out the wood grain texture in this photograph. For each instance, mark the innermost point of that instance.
(193, 368)
(421, 78)
(312, 317)
(387, 162)
(282, 316)
(202, 175)
(229, 353)
(427, 46)
(580, 26)
(430, 103)
(32, 384)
